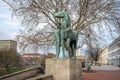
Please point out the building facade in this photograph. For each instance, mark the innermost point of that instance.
(31, 58)
(114, 52)
(78, 52)
(36, 58)
(8, 45)
(103, 56)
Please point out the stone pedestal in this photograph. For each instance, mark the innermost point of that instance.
(64, 69)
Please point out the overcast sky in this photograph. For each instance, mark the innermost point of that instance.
(9, 27)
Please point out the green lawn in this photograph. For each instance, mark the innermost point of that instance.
(3, 72)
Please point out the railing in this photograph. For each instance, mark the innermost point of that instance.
(42, 77)
(22, 75)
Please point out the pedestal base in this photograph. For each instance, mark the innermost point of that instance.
(64, 69)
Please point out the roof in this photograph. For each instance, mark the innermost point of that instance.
(51, 55)
(7, 40)
(32, 54)
(115, 41)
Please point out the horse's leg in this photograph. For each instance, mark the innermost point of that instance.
(74, 50)
(62, 43)
(68, 47)
(71, 50)
(75, 47)
(57, 49)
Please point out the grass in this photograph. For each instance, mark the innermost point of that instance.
(15, 70)
(3, 71)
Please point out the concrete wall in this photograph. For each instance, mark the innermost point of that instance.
(21, 75)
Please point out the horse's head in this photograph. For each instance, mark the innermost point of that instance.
(60, 14)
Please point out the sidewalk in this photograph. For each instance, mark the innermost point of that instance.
(98, 75)
(105, 68)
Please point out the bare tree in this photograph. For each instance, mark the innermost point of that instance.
(9, 59)
(86, 15)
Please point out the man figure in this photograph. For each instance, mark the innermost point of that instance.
(57, 38)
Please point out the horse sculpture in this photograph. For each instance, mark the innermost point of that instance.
(67, 34)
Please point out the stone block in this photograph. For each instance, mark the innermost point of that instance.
(64, 69)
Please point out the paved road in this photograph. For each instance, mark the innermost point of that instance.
(106, 68)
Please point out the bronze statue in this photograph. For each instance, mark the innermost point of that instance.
(67, 35)
(57, 39)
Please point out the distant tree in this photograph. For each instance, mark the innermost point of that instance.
(93, 49)
(95, 54)
(87, 17)
(8, 59)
